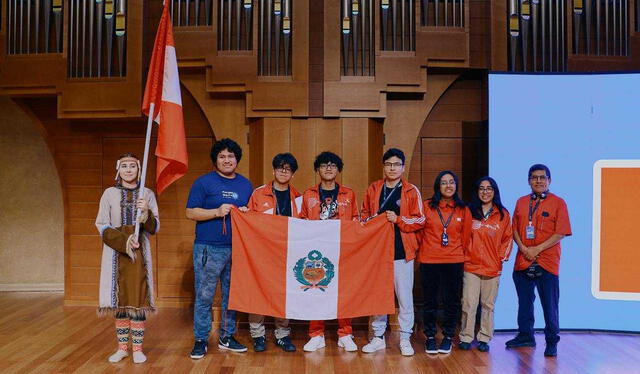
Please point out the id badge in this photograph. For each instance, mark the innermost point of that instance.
(530, 232)
(445, 239)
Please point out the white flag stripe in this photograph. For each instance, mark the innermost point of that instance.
(171, 82)
(304, 237)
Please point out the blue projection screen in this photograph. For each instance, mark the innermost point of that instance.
(580, 126)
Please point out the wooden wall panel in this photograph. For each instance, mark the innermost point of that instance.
(303, 146)
(85, 154)
(454, 137)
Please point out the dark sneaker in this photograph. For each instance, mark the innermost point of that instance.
(286, 344)
(199, 349)
(231, 344)
(445, 345)
(521, 341)
(259, 344)
(483, 347)
(430, 346)
(464, 346)
(551, 350)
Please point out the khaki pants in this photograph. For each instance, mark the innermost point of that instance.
(478, 288)
(256, 326)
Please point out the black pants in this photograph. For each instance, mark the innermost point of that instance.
(445, 280)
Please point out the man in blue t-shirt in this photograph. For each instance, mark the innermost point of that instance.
(210, 200)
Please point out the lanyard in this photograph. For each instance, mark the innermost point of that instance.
(533, 211)
(445, 225)
(284, 206)
(386, 197)
(486, 216)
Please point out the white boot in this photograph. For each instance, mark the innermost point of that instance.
(314, 344)
(118, 356)
(139, 357)
(347, 343)
(375, 344)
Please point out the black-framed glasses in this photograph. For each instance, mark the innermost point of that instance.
(328, 166)
(393, 164)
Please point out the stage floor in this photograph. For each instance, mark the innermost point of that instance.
(39, 335)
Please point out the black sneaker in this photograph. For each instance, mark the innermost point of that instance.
(286, 344)
(259, 344)
(231, 344)
(551, 350)
(199, 349)
(445, 345)
(483, 347)
(464, 346)
(521, 341)
(430, 346)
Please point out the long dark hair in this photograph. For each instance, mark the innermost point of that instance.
(476, 205)
(437, 196)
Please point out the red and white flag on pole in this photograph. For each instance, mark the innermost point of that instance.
(311, 270)
(163, 91)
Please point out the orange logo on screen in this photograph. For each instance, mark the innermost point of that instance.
(619, 225)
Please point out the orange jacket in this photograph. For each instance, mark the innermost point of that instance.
(347, 206)
(459, 232)
(411, 218)
(264, 200)
(491, 243)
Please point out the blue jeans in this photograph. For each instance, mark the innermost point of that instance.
(548, 286)
(211, 263)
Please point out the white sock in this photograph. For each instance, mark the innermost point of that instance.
(139, 357)
(118, 356)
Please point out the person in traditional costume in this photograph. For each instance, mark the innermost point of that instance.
(126, 277)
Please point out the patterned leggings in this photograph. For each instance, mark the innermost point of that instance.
(125, 325)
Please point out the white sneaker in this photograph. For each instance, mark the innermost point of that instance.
(375, 344)
(347, 343)
(314, 344)
(118, 356)
(405, 347)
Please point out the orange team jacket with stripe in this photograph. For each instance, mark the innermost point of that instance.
(264, 200)
(491, 244)
(347, 206)
(459, 231)
(411, 218)
(551, 217)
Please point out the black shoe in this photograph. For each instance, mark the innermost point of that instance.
(521, 341)
(199, 349)
(286, 344)
(231, 344)
(551, 350)
(259, 344)
(430, 346)
(483, 347)
(445, 345)
(464, 346)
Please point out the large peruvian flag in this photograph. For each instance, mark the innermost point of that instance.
(163, 90)
(311, 270)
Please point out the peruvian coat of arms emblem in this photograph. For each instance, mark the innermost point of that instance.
(314, 271)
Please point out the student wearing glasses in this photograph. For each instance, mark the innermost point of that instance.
(401, 203)
(491, 243)
(540, 222)
(442, 249)
(329, 200)
(277, 197)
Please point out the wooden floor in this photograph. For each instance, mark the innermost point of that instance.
(39, 335)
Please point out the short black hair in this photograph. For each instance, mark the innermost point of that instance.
(282, 159)
(536, 167)
(327, 157)
(228, 144)
(391, 152)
